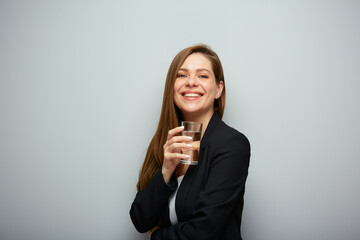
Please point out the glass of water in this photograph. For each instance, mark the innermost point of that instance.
(192, 129)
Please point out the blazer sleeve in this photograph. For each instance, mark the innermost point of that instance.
(225, 184)
(149, 203)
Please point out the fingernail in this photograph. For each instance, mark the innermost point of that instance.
(188, 137)
(181, 127)
(187, 156)
(189, 145)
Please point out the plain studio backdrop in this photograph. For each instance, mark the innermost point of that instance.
(81, 85)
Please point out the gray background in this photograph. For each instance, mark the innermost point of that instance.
(80, 95)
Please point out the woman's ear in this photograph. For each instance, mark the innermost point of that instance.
(220, 87)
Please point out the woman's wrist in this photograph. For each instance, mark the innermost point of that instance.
(166, 175)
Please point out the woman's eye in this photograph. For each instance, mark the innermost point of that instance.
(181, 75)
(203, 76)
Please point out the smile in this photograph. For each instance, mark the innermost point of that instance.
(191, 95)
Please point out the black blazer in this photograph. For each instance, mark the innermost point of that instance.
(209, 201)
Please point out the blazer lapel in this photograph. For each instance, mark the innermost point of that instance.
(210, 129)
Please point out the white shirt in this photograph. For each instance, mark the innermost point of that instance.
(172, 212)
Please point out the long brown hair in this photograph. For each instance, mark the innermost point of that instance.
(170, 116)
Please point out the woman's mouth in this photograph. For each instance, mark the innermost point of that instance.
(191, 95)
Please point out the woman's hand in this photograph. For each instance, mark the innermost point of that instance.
(152, 230)
(172, 151)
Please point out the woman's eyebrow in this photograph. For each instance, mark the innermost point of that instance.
(197, 70)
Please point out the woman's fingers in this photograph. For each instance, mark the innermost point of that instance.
(174, 131)
(178, 139)
(153, 230)
(176, 156)
(178, 146)
(172, 151)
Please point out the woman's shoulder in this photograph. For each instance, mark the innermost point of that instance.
(227, 143)
(225, 133)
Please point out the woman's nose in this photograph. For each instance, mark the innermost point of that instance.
(192, 81)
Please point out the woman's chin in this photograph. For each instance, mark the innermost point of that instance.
(196, 113)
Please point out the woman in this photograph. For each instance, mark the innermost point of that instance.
(209, 200)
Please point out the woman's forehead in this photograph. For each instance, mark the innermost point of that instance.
(196, 61)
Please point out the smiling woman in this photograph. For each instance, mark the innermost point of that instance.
(195, 88)
(203, 201)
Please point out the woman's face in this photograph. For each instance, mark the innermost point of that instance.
(195, 88)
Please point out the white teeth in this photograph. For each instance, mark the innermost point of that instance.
(191, 95)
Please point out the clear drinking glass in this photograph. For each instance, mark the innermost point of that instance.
(192, 129)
